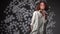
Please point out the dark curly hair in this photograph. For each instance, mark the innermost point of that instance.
(38, 6)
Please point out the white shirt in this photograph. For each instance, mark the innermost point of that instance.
(37, 21)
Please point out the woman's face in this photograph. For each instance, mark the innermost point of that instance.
(42, 5)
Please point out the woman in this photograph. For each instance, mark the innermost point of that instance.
(39, 18)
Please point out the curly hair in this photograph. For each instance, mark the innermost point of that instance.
(38, 6)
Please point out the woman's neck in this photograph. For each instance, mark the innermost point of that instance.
(43, 12)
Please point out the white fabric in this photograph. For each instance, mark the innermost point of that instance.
(37, 23)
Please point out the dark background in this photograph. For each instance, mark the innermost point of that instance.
(55, 6)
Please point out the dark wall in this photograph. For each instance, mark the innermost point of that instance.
(55, 6)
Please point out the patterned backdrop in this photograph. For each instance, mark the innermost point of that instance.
(18, 17)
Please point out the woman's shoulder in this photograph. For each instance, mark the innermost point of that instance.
(35, 12)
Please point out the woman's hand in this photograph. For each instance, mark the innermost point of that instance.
(46, 16)
(31, 27)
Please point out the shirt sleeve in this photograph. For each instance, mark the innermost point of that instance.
(33, 18)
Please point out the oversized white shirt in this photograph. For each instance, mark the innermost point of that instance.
(37, 22)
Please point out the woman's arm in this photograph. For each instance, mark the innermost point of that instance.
(33, 19)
